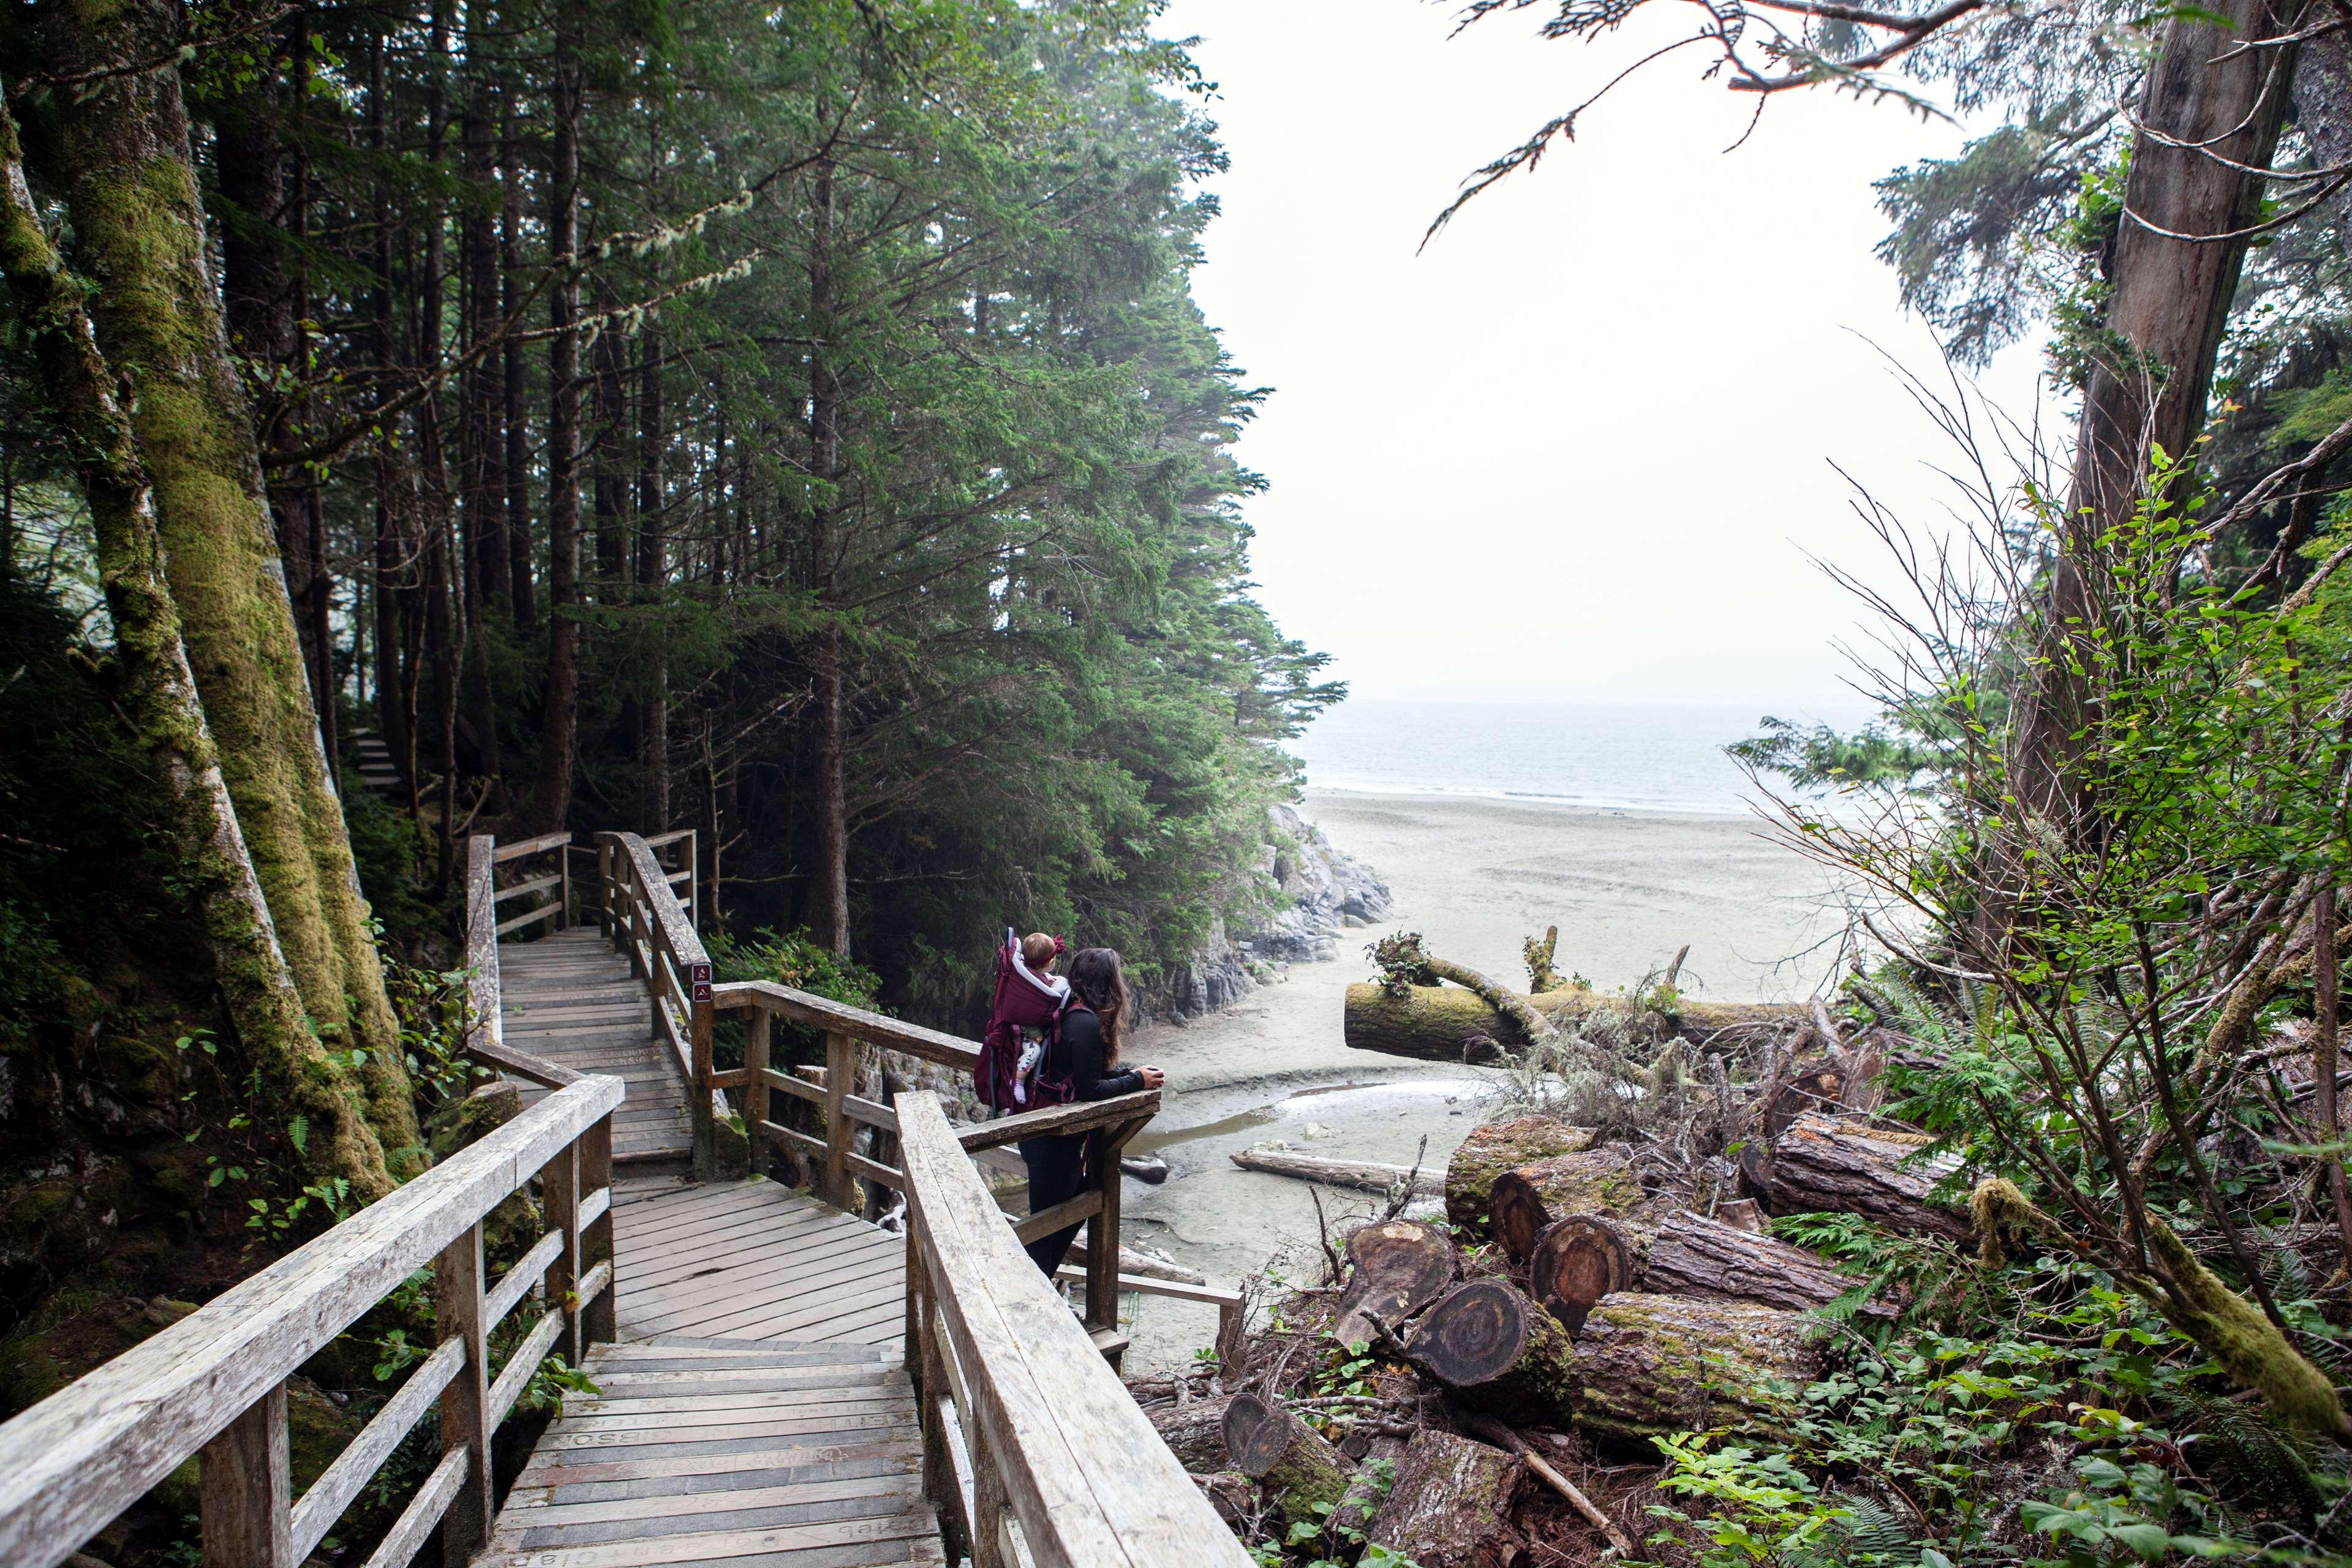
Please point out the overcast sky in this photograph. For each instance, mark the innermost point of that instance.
(1579, 447)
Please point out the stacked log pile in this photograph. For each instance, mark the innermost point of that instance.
(1583, 1299)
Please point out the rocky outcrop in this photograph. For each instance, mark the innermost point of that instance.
(1313, 892)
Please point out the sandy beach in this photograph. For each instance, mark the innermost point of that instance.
(1476, 876)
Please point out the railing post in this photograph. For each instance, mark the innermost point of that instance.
(1102, 1239)
(840, 1067)
(756, 1035)
(694, 880)
(245, 1490)
(465, 1403)
(560, 1191)
(705, 1109)
(563, 888)
(597, 1320)
(605, 886)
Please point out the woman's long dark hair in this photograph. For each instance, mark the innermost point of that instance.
(1097, 980)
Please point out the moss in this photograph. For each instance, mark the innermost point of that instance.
(2234, 1333)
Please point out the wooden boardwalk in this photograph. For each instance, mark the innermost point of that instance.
(718, 1451)
(570, 998)
(753, 1261)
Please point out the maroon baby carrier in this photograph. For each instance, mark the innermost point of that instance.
(1023, 1002)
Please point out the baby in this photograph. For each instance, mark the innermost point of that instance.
(1029, 997)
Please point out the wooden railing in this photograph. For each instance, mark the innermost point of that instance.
(557, 881)
(214, 1384)
(1032, 1449)
(638, 908)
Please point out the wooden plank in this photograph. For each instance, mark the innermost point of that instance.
(795, 1085)
(1060, 1120)
(889, 1176)
(751, 1456)
(754, 1277)
(527, 1271)
(423, 1515)
(1061, 1217)
(465, 1420)
(528, 1516)
(522, 846)
(780, 1544)
(501, 1058)
(356, 1466)
(594, 1430)
(79, 1457)
(552, 911)
(523, 1365)
(524, 889)
(1085, 1474)
(818, 1012)
(668, 1406)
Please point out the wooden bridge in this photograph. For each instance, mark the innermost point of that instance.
(776, 1381)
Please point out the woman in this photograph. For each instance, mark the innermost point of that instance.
(1087, 1053)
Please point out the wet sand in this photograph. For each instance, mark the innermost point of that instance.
(1476, 877)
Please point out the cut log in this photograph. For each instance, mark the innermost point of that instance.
(1740, 1214)
(1363, 1175)
(1692, 1255)
(1374, 1476)
(1526, 1202)
(1499, 1352)
(1808, 1087)
(1646, 1365)
(1452, 1505)
(1448, 1024)
(1580, 1258)
(1824, 1163)
(1194, 1432)
(1399, 1266)
(1497, 1147)
(1290, 1460)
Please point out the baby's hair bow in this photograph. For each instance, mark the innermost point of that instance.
(1060, 947)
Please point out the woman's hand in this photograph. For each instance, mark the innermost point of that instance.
(1153, 1077)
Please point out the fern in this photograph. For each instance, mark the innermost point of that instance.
(2262, 1467)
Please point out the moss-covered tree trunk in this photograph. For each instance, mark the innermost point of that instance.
(159, 695)
(132, 195)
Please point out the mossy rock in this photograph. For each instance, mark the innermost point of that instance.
(462, 1124)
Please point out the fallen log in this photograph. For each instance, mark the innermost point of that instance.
(1368, 1488)
(1399, 1266)
(1292, 1464)
(1692, 1255)
(1494, 1148)
(1644, 1365)
(1194, 1432)
(1228, 1492)
(1498, 1352)
(1526, 1201)
(1581, 1257)
(1363, 1175)
(1452, 1504)
(1448, 1024)
(1845, 1166)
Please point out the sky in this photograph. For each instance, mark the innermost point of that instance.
(1579, 447)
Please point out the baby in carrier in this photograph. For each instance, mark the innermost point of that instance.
(1029, 999)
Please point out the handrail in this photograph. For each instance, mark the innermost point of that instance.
(214, 1382)
(639, 909)
(1041, 1454)
(486, 1037)
(557, 914)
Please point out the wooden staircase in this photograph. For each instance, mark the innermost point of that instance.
(571, 999)
(710, 1450)
(376, 768)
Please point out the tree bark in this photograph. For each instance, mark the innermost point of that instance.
(1448, 1024)
(1288, 1460)
(1499, 1352)
(138, 219)
(1399, 1266)
(160, 701)
(1450, 1506)
(1496, 1147)
(1690, 1255)
(2205, 118)
(1647, 1365)
(1361, 1175)
(830, 921)
(1824, 1163)
(653, 580)
(559, 730)
(1526, 1202)
(522, 588)
(1194, 1432)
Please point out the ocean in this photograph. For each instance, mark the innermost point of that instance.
(1628, 756)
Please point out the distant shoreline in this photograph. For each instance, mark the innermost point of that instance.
(1436, 795)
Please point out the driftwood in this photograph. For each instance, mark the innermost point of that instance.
(1399, 1266)
(1646, 1365)
(1526, 1201)
(1145, 1264)
(1363, 1175)
(1846, 1166)
(1497, 1147)
(1292, 1464)
(1498, 1352)
(1449, 1024)
(1452, 1505)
